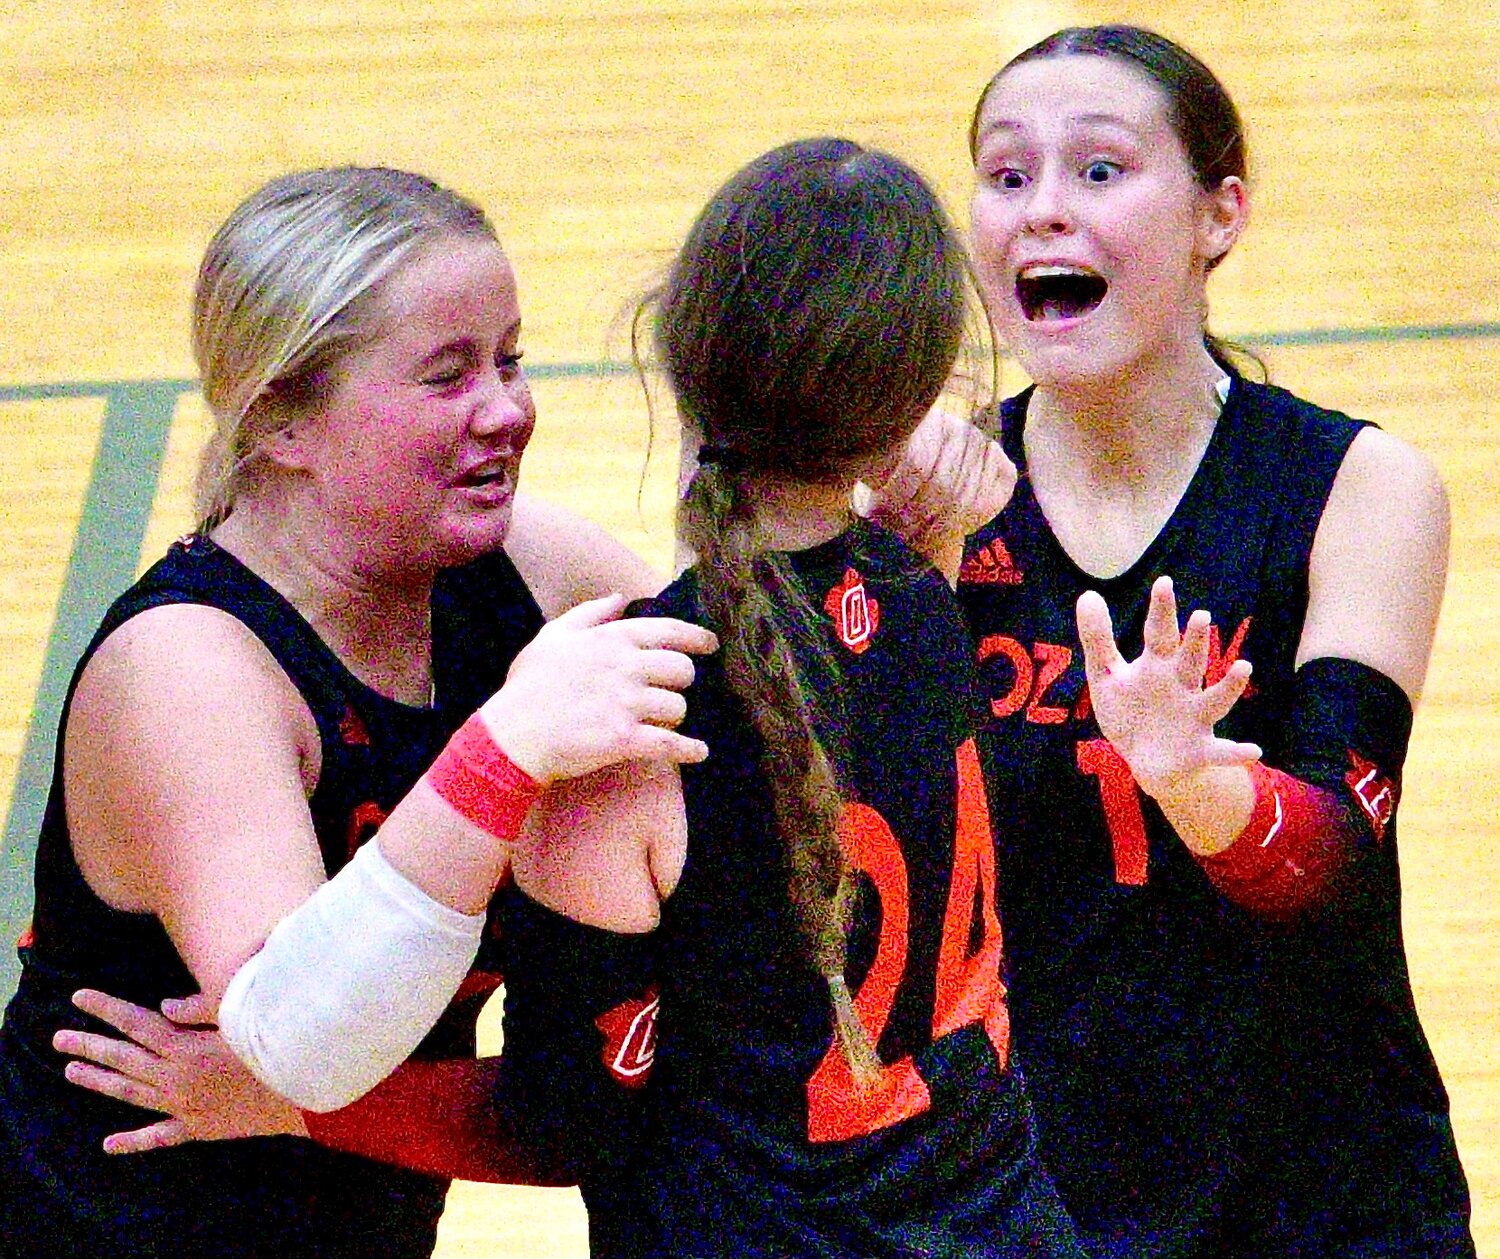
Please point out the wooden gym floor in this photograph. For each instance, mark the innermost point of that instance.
(592, 133)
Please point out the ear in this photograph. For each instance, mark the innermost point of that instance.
(1222, 215)
(290, 444)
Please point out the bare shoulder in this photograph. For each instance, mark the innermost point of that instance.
(1383, 471)
(566, 559)
(187, 763)
(1379, 561)
(167, 668)
(1387, 511)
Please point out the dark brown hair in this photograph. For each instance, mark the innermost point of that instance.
(1199, 108)
(810, 320)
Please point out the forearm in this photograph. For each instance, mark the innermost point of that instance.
(1326, 801)
(347, 985)
(1209, 809)
(1271, 843)
(448, 1118)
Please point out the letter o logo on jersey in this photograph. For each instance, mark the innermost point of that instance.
(630, 1038)
(855, 616)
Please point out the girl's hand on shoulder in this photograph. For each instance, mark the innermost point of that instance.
(592, 690)
(178, 1065)
(1155, 709)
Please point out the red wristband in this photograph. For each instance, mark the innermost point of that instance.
(474, 776)
(1284, 859)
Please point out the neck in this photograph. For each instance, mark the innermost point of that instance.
(378, 623)
(1130, 428)
(794, 515)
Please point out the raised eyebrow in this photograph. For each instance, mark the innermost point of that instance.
(1116, 122)
(1110, 122)
(1000, 124)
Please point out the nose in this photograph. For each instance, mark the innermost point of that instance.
(1048, 207)
(505, 410)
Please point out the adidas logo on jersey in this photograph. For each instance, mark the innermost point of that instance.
(991, 565)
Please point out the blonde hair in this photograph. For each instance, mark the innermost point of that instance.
(288, 288)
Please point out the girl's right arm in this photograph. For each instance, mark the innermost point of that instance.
(187, 772)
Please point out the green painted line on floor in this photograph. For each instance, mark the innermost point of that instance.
(106, 550)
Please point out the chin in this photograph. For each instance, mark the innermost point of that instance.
(474, 535)
(1073, 365)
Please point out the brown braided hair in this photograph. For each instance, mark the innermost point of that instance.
(810, 320)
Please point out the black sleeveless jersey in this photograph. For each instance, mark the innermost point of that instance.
(1184, 1054)
(263, 1196)
(760, 1142)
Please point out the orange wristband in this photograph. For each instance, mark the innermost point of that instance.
(475, 777)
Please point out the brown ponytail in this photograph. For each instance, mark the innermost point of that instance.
(810, 320)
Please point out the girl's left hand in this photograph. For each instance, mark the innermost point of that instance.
(179, 1066)
(1155, 709)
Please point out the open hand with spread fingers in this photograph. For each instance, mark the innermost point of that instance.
(179, 1066)
(1155, 709)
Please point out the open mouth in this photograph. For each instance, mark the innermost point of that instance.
(1059, 292)
(483, 478)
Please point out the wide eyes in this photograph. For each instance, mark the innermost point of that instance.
(1014, 178)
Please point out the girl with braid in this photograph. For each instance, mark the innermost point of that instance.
(832, 1075)
(813, 914)
(808, 917)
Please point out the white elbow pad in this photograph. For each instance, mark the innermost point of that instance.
(347, 984)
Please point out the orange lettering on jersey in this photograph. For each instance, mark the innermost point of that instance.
(838, 1106)
(855, 616)
(1084, 709)
(352, 728)
(968, 983)
(994, 645)
(364, 821)
(27, 938)
(991, 565)
(1122, 809)
(1219, 659)
(1374, 791)
(630, 1038)
(1054, 661)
